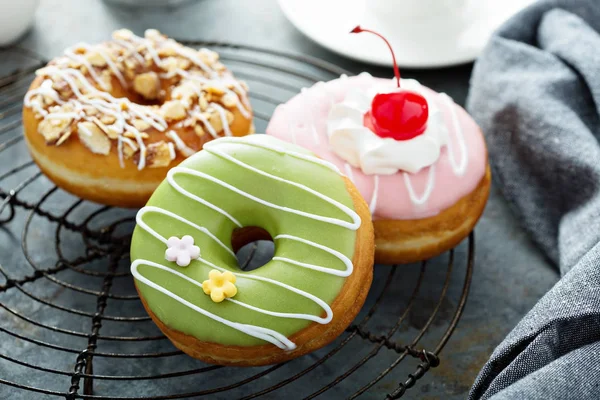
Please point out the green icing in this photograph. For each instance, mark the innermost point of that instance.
(249, 213)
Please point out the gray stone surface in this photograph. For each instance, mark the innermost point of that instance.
(510, 274)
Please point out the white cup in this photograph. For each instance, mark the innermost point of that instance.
(426, 29)
(16, 17)
(397, 11)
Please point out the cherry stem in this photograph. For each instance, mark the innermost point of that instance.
(358, 29)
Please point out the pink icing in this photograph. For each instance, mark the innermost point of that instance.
(303, 119)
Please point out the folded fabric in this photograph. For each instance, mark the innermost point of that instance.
(535, 91)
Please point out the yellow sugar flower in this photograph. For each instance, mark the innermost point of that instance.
(219, 285)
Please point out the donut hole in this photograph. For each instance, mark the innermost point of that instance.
(253, 247)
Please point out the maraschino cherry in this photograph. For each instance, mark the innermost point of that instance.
(400, 115)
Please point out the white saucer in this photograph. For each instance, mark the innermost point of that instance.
(419, 40)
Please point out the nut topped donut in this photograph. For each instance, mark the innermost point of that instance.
(106, 122)
(237, 190)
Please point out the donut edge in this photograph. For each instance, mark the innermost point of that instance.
(409, 241)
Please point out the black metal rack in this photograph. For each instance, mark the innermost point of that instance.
(71, 324)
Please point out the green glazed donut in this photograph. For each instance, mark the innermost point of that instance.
(300, 300)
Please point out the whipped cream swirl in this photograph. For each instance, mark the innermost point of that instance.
(363, 149)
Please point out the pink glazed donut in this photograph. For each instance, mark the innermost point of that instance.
(425, 192)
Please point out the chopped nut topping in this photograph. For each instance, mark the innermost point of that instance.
(102, 127)
(158, 155)
(79, 49)
(108, 119)
(147, 84)
(171, 64)
(53, 128)
(91, 114)
(229, 100)
(107, 79)
(203, 102)
(122, 34)
(208, 56)
(129, 149)
(215, 121)
(64, 137)
(131, 64)
(173, 110)
(229, 116)
(89, 111)
(63, 88)
(152, 34)
(96, 59)
(74, 64)
(110, 130)
(140, 124)
(93, 138)
(132, 135)
(166, 51)
(47, 100)
(184, 91)
(215, 88)
(199, 130)
(219, 67)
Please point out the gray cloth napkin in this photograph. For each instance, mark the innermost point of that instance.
(535, 91)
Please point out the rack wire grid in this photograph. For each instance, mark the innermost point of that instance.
(71, 323)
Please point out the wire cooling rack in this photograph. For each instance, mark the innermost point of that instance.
(71, 323)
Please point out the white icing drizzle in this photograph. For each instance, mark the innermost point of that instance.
(45, 89)
(113, 67)
(280, 150)
(155, 120)
(207, 124)
(457, 169)
(314, 298)
(181, 146)
(266, 334)
(347, 262)
(172, 153)
(334, 221)
(143, 150)
(81, 128)
(204, 80)
(340, 206)
(177, 187)
(139, 219)
(132, 50)
(223, 116)
(373, 203)
(79, 58)
(190, 55)
(461, 168)
(239, 104)
(349, 173)
(105, 103)
(120, 151)
(428, 187)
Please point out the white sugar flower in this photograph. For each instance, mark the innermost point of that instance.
(182, 250)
